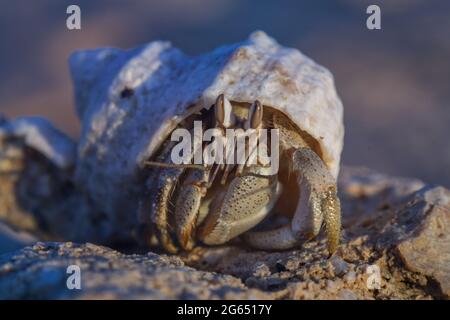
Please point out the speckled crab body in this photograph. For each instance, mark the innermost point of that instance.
(131, 101)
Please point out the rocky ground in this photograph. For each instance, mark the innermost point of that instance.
(396, 228)
(395, 241)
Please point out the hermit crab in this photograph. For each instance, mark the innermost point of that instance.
(132, 102)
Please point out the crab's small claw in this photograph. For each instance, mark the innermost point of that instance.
(318, 202)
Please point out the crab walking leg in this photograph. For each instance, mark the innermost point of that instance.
(160, 211)
(188, 203)
(167, 176)
(158, 201)
(318, 202)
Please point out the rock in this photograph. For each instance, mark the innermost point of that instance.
(350, 277)
(261, 270)
(37, 193)
(364, 193)
(39, 134)
(347, 295)
(427, 249)
(39, 272)
(340, 267)
(11, 240)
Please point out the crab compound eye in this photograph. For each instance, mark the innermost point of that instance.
(255, 115)
(223, 111)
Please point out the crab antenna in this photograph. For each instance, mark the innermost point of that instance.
(174, 165)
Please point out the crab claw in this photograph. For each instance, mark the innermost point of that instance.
(247, 201)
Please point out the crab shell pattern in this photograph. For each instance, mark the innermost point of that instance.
(130, 101)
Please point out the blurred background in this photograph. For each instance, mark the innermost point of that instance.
(394, 82)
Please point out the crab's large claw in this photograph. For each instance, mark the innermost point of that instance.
(318, 202)
(247, 201)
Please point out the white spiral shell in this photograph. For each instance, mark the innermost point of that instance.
(130, 101)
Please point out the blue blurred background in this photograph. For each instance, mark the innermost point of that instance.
(394, 82)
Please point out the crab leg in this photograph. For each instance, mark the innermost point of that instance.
(317, 203)
(166, 180)
(187, 203)
(187, 206)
